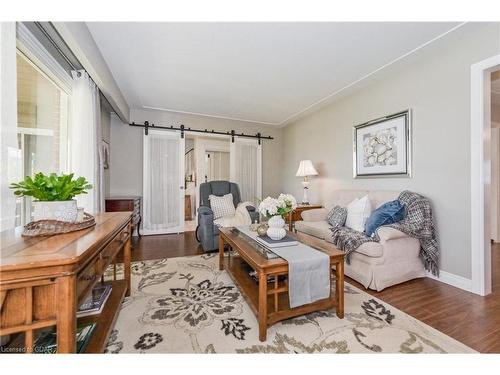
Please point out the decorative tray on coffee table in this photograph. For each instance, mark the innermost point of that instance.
(260, 248)
(52, 227)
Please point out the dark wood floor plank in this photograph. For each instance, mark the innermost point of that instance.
(469, 318)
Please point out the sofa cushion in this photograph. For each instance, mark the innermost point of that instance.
(222, 206)
(342, 197)
(357, 212)
(379, 197)
(388, 233)
(337, 216)
(370, 249)
(316, 214)
(314, 228)
(388, 213)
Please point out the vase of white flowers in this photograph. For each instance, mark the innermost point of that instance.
(276, 230)
(275, 209)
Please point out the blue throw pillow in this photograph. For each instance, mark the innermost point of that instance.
(389, 213)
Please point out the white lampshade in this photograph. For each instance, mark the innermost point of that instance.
(306, 168)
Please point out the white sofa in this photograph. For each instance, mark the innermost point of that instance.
(375, 265)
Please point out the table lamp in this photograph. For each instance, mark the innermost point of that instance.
(306, 168)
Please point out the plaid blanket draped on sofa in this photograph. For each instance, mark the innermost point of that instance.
(418, 223)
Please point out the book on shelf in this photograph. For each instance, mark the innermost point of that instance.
(95, 302)
(270, 278)
(47, 342)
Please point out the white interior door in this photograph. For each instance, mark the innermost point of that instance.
(495, 183)
(163, 182)
(246, 168)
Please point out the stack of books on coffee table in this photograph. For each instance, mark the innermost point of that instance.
(270, 243)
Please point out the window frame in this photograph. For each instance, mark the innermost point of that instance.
(34, 53)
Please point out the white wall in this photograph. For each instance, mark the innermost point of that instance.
(435, 83)
(125, 159)
(126, 147)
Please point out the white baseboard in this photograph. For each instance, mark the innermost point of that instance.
(453, 280)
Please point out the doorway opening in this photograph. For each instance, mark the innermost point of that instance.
(207, 159)
(217, 158)
(216, 165)
(484, 170)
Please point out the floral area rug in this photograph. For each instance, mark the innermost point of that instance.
(186, 305)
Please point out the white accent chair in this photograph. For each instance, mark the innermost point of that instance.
(375, 265)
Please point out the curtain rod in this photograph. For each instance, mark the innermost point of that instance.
(56, 45)
(183, 129)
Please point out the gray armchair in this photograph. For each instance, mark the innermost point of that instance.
(207, 232)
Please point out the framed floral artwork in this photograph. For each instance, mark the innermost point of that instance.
(382, 147)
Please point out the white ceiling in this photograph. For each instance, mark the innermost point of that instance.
(260, 72)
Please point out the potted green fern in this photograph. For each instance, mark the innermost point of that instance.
(53, 195)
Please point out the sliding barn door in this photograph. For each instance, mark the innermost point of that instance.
(246, 168)
(163, 182)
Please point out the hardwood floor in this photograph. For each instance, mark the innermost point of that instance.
(165, 246)
(467, 317)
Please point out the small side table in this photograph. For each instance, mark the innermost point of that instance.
(133, 204)
(295, 215)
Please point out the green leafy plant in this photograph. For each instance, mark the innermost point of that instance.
(51, 187)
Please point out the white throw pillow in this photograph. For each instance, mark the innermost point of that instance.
(358, 212)
(222, 206)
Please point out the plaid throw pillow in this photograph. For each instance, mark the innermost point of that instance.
(222, 206)
(337, 216)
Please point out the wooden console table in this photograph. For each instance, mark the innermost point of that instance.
(44, 279)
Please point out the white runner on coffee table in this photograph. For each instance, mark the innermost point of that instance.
(308, 271)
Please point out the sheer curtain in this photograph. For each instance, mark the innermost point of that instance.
(85, 140)
(163, 159)
(246, 156)
(10, 157)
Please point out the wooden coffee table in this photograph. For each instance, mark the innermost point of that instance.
(269, 301)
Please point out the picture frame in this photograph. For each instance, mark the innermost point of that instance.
(105, 154)
(382, 147)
